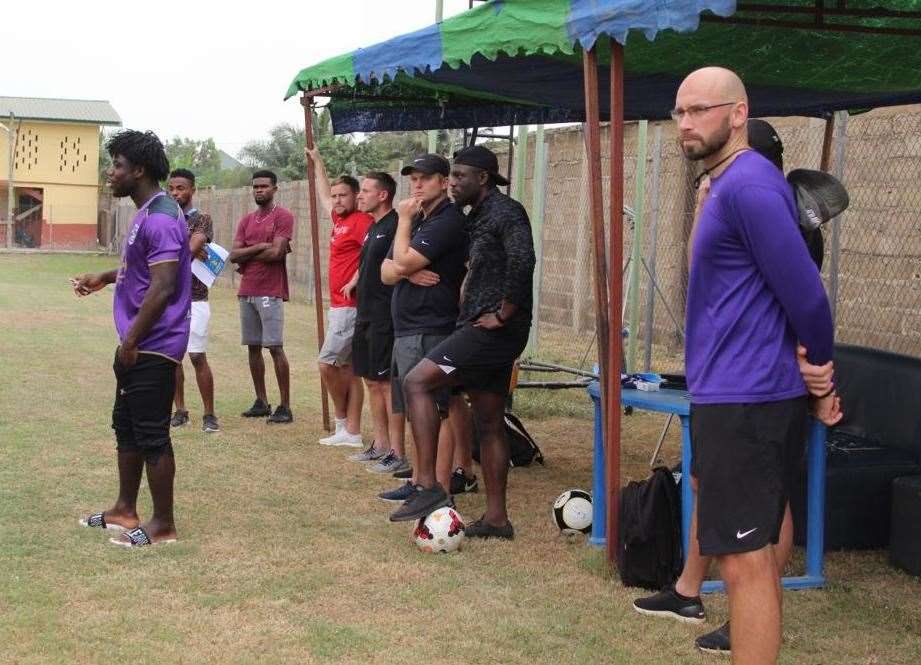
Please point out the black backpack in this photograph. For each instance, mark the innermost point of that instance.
(522, 448)
(649, 547)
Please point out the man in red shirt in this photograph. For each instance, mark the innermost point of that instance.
(260, 246)
(348, 234)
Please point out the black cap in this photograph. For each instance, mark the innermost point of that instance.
(763, 137)
(428, 164)
(819, 196)
(481, 158)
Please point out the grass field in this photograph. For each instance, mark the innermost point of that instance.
(285, 557)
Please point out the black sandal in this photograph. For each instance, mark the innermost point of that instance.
(98, 521)
(138, 538)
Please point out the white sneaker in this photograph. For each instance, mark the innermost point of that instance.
(343, 438)
(340, 428)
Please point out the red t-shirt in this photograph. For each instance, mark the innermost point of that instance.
(345, 243)
(261, 278)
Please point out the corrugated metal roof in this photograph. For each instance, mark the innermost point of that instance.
(96, 111)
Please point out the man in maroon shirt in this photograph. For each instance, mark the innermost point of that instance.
(260, 246)
(350, 227)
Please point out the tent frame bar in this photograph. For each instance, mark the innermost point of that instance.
(307, 103)
(615, 284)
(607, 265)
(814, 27)
(819, 11)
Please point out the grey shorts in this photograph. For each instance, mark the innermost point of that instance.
(262, 321)
(340, 328)
(407, 352)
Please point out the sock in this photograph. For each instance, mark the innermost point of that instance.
(340, 425)
(685, 598)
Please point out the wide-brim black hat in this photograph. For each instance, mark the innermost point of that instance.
(819, 196)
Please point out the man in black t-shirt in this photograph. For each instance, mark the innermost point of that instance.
(492, 331)
(427, 266)
(372, 343)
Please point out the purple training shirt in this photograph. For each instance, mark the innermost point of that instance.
(753, 291)
(158, 234)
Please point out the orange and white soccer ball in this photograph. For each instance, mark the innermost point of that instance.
(440, 531)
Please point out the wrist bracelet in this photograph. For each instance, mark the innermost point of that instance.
(830, 392)
(498, 314)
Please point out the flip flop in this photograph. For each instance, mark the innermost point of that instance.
(138, 538)
(98, 521)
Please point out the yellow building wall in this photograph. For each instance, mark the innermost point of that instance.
(65, 204)
(50, 152)
(61, 159)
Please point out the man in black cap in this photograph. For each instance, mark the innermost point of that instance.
(764, 138)
(427, 266)
(492, 331)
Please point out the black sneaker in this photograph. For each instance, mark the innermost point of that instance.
(405, 474)
(282, 416)
(716, 642)
(461, 484)
(482, 529)
(179, 419)
(421, 504)
(259, 409)
(401, 494)
(209, 424)
(668, 603)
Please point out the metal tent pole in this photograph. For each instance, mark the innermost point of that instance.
(592, 131)
(433, 133)
(615, 260)
(538, 209)
(12, 138)
(838, 172)
(307, 103)
(653, 242)
(825, 160)
(521, 161)
(639, 207)
(511, 159)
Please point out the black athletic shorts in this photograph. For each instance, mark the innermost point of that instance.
(143, 405)
(744, 457)
(372, 349)
(479, 359)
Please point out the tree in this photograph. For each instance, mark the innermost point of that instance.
(397, 146)
(283, 151)
(200, 157)
(230, 178)
(203, 158)
(105, 160)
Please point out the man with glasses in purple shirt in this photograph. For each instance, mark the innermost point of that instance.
(151, 308)
(753, 294)
(682, 600)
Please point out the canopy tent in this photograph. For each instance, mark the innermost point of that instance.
(538, 61)
(519, 62)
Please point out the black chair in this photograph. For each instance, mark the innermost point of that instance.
(905, 545)
(878, 440)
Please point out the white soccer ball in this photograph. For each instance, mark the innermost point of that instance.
(440, 531)
(572, 512)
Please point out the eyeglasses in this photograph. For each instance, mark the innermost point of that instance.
(694, 112)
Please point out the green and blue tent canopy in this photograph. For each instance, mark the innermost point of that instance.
(520, 61)
(513, 62)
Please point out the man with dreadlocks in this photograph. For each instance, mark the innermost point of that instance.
(153, 287)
